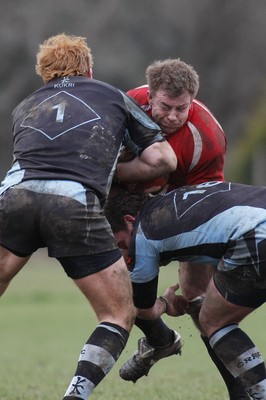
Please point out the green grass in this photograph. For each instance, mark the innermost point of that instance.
(45, 321)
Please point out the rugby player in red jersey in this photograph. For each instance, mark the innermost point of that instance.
(199, 143)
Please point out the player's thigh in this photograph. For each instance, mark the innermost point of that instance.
(10, 265)
(216, 312)
(109, 291)
(194, 278)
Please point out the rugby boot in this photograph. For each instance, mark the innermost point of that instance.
(141, 361)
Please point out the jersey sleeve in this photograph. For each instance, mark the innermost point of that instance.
(142, 131)
(144, 264)
(139, 94)
(145, 294)
(146, 259)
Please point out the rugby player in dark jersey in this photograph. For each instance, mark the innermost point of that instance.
(218, 223)
(67, 137)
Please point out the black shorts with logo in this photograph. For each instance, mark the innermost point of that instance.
(241, 287)
(62, 216)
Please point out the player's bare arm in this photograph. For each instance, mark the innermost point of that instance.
(156, 160)
(170, 303)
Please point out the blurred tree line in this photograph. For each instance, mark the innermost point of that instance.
(223, 39)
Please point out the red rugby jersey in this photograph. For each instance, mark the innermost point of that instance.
(200, 145)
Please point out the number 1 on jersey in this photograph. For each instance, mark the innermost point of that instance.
(60, 111)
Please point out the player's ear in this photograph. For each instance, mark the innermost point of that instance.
(129, 221)
(149, 97)
(89, 73)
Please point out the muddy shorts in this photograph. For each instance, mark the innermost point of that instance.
(62, 216)
(241, 274)
(228, 286)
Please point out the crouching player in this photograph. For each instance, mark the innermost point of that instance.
(218, 223)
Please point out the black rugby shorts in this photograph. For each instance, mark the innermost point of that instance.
(69, 229)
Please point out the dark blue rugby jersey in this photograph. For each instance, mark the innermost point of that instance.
(72, 129)
(202, 224)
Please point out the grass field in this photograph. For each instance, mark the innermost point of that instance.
(45, 321)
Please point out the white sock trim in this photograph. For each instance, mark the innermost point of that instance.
(214, 339)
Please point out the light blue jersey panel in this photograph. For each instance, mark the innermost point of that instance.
(224, 231)
(147, 259)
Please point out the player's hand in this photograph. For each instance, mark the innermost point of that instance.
(177, 304)
(154, 190)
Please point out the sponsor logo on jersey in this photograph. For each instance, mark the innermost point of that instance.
(65, 82)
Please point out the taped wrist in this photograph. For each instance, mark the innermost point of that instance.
(164, 300)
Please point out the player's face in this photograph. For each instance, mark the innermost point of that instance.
(170, 113)
(122, 239)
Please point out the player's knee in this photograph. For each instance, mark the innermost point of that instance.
(194, 279)
(123, 316)
(191, 289)
(194, 309)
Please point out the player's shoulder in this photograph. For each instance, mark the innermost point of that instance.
(139, 94)
(105, 86)
(200, 114)
(198, 106)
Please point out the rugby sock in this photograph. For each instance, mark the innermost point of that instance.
(234, 386)
(242, 358)
(156, 331)
(96, 359)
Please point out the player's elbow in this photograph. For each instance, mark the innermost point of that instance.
(171, 157)
(162, 157)
(168, 162)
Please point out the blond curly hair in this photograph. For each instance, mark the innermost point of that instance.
(63, 55)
